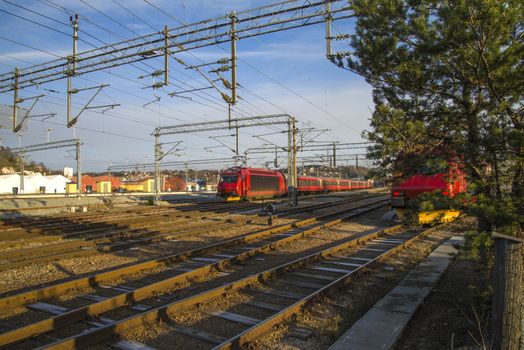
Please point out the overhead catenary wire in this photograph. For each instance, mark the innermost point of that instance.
(29, 46)
(92, 7)
(214, 97)
(267, 75)
(111, 73)
(246, 101)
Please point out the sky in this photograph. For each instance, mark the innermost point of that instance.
(283, 72)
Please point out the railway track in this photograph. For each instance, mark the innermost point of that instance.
(141, 232)
(153, 281)
(246, 308)
(60, 229)
(117, 239)
(73, 222)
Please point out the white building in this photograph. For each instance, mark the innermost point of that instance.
(68, 172)
(55, 183)
(192, 186)
(33, 184)
(7, 182)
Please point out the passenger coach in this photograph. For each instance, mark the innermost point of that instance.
(250, 183)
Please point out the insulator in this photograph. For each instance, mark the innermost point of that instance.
(148, 53)
(157, 85)
(226, 97)
(342, 36)
(223, 61)
(342, 54)
(180, 61)
(226, 83)
(157, 73)
(220, 69)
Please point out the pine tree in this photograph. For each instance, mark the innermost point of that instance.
(448, 79)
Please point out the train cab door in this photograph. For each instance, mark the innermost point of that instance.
(243, 178)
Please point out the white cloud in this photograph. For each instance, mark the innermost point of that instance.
(32, 56)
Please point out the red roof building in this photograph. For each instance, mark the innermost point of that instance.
(90, 183)
(174, 184)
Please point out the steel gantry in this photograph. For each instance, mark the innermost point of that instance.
(232, 27)
(228, 124)
(21, 151)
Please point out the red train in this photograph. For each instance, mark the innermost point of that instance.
(449, 182)
(251, 183)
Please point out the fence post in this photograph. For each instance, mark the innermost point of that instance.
(508, 293)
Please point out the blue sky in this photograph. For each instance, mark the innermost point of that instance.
(280, 72)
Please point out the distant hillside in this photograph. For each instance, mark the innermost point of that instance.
(9, 160)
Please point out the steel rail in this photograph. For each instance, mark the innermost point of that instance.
(156, 288)
(72, 224)
(93, 244)
(92, 226)
(53, 232)
(85, 282)
(86, 247)
(254, 332)
(49, 221)
(105, 332)
(312, 207)
(101, 218)
(113, 241)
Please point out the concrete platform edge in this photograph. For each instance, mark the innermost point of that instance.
(382, 326)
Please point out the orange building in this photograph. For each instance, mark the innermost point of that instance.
(174, 184)
(90, 183)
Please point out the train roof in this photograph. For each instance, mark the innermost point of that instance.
(253, 170)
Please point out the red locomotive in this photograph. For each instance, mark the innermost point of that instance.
(449, 182)
(250, 183)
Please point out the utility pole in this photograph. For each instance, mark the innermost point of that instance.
(158, 157)
(22, 161)
(166, 56)
(185, 171)
(233, 100)
(22, 164)
(292, 161)
(71, 66)
(328, 19)
(15, 98)
(234, 38)
(334, 154)
(71, 72)
(79, 168)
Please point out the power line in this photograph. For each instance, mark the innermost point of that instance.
(266, 75)
(132, 14)
(133, 32)
(58, 56)
(94, 8)
(190, 86)
(35, 22)
(36, 13)
(30, 47)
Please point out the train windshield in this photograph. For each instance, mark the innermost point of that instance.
(229, 179)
